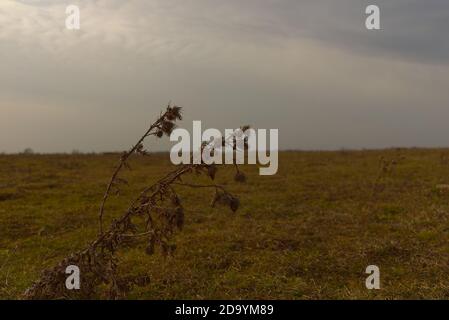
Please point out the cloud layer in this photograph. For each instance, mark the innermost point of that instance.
(309, 68)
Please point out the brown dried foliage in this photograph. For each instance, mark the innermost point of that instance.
(152, 218)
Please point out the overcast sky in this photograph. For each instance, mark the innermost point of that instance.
(307, 67)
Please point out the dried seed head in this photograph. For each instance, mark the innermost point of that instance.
(234, 204)
(167, 127)
(174, 113)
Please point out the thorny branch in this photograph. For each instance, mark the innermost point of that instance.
(154, 215)
(155, 128)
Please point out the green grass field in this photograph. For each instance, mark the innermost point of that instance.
(308, 232)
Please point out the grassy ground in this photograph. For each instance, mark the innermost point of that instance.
(306, 233)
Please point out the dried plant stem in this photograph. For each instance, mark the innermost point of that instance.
(122, 162)
(154, 215)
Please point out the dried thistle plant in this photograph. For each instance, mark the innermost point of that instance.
(152, 218)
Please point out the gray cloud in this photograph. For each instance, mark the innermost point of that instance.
(411, 29)
(309, 68)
